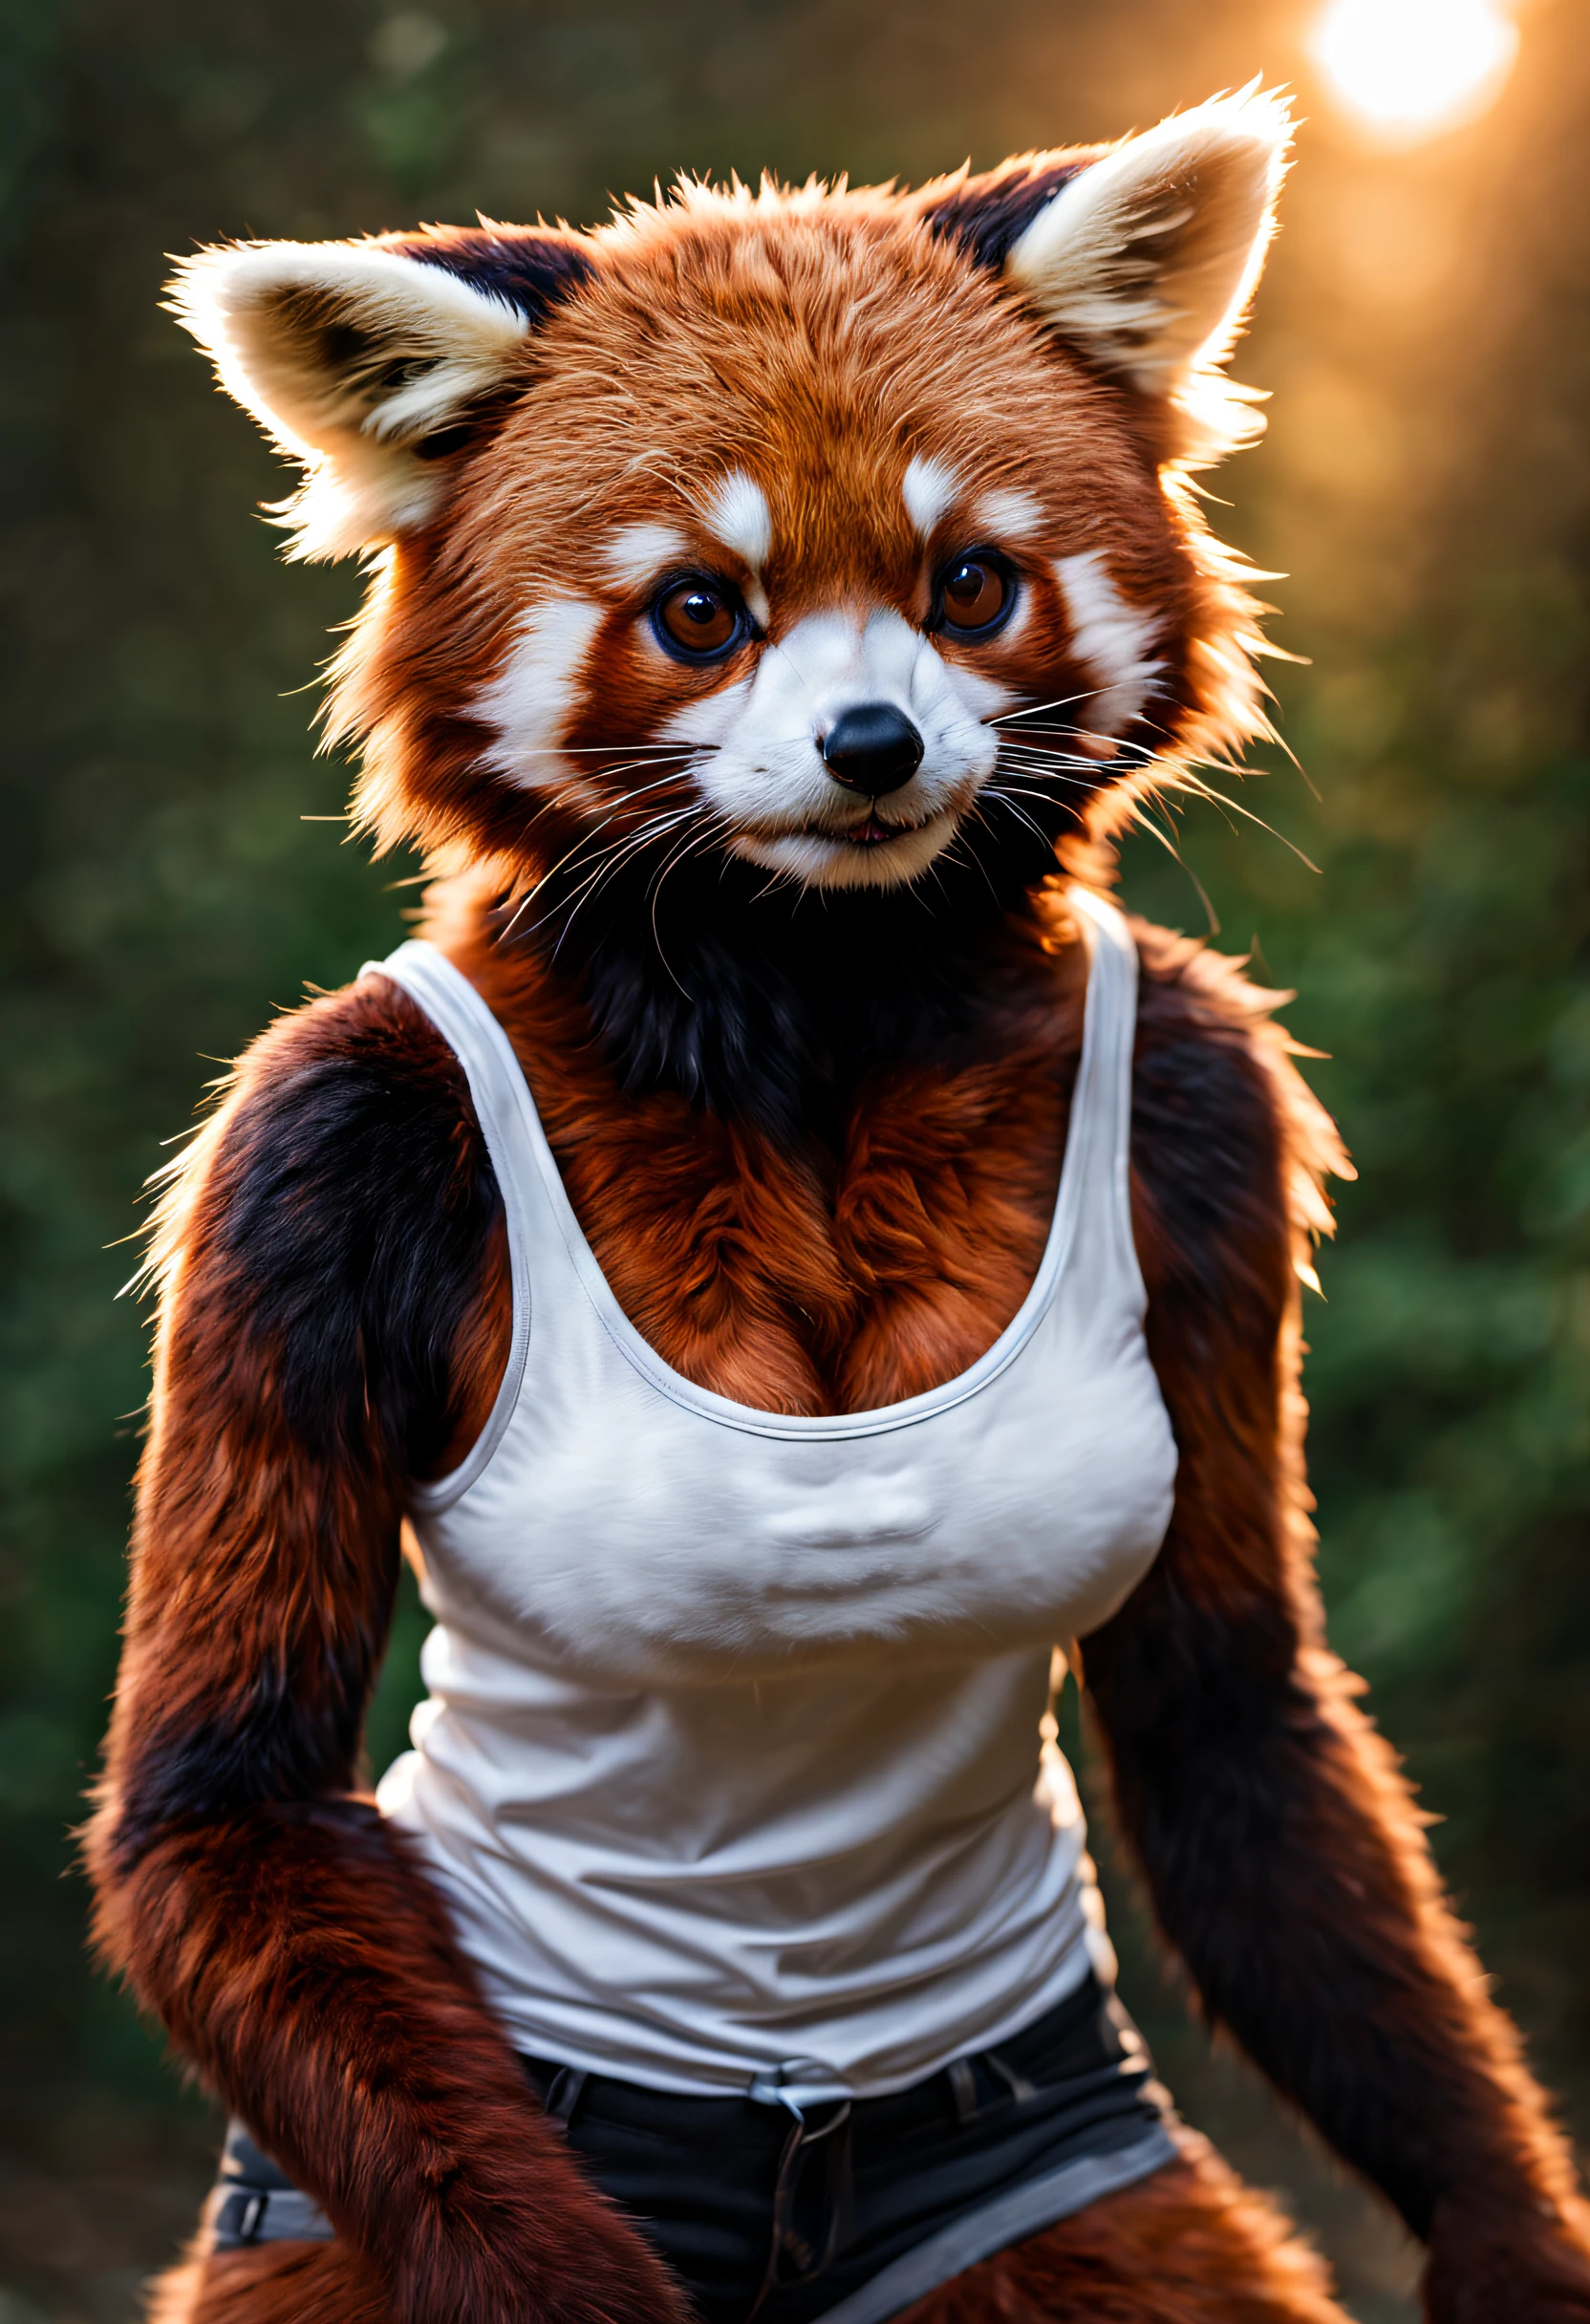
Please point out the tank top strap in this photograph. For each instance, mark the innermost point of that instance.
(500, 1098)
(1089, 1258)
(1100, 1108)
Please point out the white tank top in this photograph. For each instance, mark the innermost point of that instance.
(731, 1767)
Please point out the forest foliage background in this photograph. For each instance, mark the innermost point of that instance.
(171, 878)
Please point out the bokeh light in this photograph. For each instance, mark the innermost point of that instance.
(1408, 69)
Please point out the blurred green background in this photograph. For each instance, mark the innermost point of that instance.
(170, 876)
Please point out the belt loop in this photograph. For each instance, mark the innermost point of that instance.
(963, 2089)
(564, 2093)
(809, 2256)
(1018, 2084)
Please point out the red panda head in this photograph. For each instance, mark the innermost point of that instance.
(837, 531)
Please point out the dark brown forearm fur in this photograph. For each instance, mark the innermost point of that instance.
(326, 1252)
(1286, 1859)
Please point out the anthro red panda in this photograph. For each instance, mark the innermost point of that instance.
(716, 1239)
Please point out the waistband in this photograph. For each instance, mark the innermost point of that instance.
(845, 2211)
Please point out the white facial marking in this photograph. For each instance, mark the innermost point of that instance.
(528, 701)
(1113, 638)
(641, 553)
(766, 780)
(710, 721)
(736, 512)
(928, 489)
(1008, 514)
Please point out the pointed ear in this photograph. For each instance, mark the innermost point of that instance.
(1144, 256)
(366, 359)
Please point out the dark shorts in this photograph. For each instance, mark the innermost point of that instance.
(849, 2211)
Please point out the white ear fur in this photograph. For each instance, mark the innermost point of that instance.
(348, 355)
(1147, 258)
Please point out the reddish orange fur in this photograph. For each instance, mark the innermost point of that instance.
(1189, 2246)
(814, 357)
(293, 1951)
(275, 2284)
(763, 1275)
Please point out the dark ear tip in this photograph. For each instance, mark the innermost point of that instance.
(532, 267)
(986, 215)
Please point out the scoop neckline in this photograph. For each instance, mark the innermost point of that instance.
(753, 1419)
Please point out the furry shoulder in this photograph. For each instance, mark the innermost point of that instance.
(343, 1207)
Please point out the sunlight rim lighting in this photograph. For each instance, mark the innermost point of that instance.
(1406, 70)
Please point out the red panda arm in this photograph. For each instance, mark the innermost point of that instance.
(326, 1255)
(1286, 1861)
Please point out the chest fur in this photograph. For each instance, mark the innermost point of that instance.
(818, 1279)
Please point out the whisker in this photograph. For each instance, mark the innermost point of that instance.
(631, 844)
(1069, 761)
(580, 750)
(571, 855)
(627, 842)
(1146, 823)
(692, 840)
(1004, 800)
(1061, 777)
(1119, 747)
(643, 790)
(778, 877)
(1195, 786)
(1030, 710)
(1115, 746)
(971, 856)
(1144, 762)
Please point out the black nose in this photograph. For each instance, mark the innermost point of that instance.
(872, 748)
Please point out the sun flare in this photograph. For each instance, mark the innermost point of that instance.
(1408, 69)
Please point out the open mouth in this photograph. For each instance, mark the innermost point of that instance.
(871, 853)
(873, 833)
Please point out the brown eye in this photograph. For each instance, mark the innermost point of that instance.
(976, 593)
(698, 618)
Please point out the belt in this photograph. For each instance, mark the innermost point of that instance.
(848, 2211)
